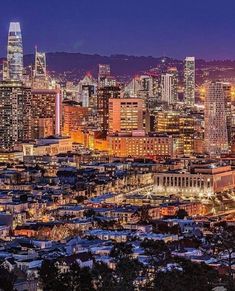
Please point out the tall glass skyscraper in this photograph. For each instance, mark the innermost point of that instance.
(40, 64)
(15, 52)
(189, 77)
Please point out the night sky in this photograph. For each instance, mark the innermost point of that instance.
(176, 28)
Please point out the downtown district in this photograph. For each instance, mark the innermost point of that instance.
(110, 185)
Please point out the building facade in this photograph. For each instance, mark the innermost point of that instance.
(15, 52)
(126, 114)
(189, 77)
(138, 144)
(15, 114)
(216, 131)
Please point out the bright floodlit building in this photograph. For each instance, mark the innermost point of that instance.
(216, 135)
(126, 114)
(201, 180)
(15, 52)
(189, 76)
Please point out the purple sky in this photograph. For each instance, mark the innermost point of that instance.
(176, 28)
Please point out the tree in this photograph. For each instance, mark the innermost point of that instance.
(144, 214)
(49, 276)
(157, 250)
(76, 279)
(127, 272)
(89, 213)
(222, 246)
(86, 280)
(71, 279)
(181, 214)
(186, 276)
(7, 279)
(121, 250)
(103, 277)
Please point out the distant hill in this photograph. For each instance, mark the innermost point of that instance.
(73, 66)
(77, 64)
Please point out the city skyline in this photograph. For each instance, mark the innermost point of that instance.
(205, 29)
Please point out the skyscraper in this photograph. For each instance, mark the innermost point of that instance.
(216, 135)
(126, 114)
(104, 94)
(167, 88)
(104, 71)
(15, 52)
(44, 122)
(189, 77)
(15, 114)
(40, 65)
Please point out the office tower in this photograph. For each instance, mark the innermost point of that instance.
(167, 88)
(104, 71)
(40, 65)
(88, 91)
(40, 78)
(104, 77)
(227, 88)
(5, 70)
(175, 81)
(15, 52)
(216, 135)
(178, 125)
(133, 87)
(104, 94)
(189, 78)
(46, 106)
(126, 114)
(15, 114)
(88, 96)
(74, 116)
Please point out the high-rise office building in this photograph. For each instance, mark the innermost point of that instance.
(15, 114)
(104, 94)
(88, 91)
(126, 114)
(104, 77)
(178, 125)
(189, 77)
(175, 82)
(104, 71)
(216, 134)
(5, 70)
(74, 116)
(15, 52)
(40, 65)
(45, 108)
(167, 88)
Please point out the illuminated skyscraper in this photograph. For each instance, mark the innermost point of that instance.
(46, 110)
(104, 71)
(175, 82)
(15, 52)
(104, 94)
(15, 114)
(216, 135)
(167, 88)
(40, 65)
(126, 114)
(104, 76)
(189, 76)
(73, 117)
